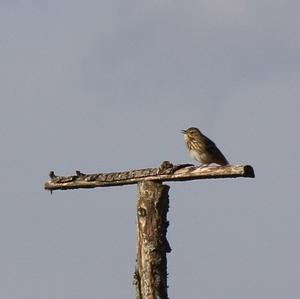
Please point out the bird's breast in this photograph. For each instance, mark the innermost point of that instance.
(195, 155)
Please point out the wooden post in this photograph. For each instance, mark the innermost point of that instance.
(150, 276)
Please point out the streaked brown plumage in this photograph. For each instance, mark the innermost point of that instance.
(202, 149)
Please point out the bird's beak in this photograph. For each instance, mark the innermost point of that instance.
(183, 131)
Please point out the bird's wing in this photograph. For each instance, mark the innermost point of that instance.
(211, 147)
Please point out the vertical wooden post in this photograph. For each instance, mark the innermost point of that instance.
(150, 276)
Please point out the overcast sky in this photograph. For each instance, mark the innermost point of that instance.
(105, 86)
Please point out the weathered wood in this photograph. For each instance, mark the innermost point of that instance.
(166, 172)
(150, 277)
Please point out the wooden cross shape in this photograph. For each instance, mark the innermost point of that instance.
(150, 276)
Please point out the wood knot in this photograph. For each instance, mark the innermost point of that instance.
(52, 174)
(141, 212)
(165, 167)
(79, 173)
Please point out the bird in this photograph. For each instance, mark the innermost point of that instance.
(202, 149)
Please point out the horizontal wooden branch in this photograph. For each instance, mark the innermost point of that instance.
(166, 172)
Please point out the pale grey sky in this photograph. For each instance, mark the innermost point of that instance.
(105, 86)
